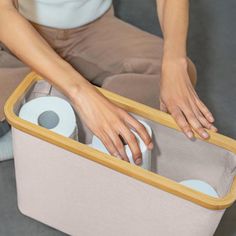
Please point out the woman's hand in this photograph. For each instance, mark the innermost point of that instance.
(109, 122)
(179, 98)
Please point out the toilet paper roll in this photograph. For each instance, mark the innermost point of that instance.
(146, 154)
(200, 186)
(52, 113)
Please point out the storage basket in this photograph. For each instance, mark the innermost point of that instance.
(81, 191)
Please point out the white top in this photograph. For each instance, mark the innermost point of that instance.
(63, 14)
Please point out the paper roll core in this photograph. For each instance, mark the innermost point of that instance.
(48, 119)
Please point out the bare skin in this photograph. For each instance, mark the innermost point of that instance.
(178, 96)
(111, 121)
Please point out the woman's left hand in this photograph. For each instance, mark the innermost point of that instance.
(179, 98)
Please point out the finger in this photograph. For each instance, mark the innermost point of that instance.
(202, 119)
(205, 111)
(132, 142)
(193, 121)
(140, 129)
(204, 122)
(181, 121)
(163, 107)
(106, 140)
(120, 146)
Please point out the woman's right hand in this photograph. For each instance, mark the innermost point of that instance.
(108, 122)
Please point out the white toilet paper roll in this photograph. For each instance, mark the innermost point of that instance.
(146, 154)
(200, 186)
(52, 113)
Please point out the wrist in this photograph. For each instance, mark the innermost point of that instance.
(168, 62)
(76, 90)
(72, 82)
(174, 50)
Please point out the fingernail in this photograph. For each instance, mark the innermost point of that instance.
(211, 118)
(205, 135)
(138, 161)
(190, 134)
(117, 156)
(213, 128)
(150, 146)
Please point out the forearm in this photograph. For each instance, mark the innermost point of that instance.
(174, 20)
(27, 44)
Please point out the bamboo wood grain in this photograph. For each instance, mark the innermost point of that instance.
(133, 171)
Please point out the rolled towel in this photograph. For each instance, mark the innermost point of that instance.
(6, 151)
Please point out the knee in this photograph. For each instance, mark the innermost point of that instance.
(143, 89)
(142, 65)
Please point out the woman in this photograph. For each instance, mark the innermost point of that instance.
(75, 43)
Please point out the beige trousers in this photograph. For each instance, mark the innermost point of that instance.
(108, 52)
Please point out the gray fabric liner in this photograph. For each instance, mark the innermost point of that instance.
(174, 156)
(177, 158)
